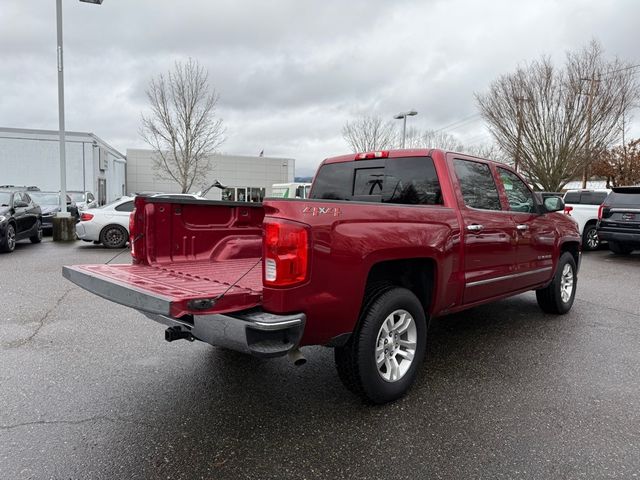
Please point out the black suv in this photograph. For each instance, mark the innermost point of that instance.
(619, 220)
(20, 218)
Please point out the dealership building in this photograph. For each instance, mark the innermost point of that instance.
(32, 157)
(245, 178)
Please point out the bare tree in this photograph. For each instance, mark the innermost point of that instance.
(182, 128)
(369, 133)
(443, 140)
(553, 120)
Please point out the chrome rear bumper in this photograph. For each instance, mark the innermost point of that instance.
(255, 332)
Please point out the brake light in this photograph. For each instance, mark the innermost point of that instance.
(85, 217)
(567, 210)
(286, 253)
(600, 208)
(368, 155)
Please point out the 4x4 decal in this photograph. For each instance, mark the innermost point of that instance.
(315, 211)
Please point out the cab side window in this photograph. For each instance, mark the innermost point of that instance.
(477, 185)
(17, 198)
(518, 194)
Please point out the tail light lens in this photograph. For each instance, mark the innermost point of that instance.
(286, 253)
(85, 217)
(567, 210)
(600, 208)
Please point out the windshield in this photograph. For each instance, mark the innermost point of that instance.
(47, 198)
(629, 199)
(77, 196)
(5, 198)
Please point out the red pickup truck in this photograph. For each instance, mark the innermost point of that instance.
(387, 241)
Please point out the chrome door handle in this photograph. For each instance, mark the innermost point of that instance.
(522, 227)
(475, 227)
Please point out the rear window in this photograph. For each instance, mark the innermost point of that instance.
(407, 181)
(626, 199)
(585, 198)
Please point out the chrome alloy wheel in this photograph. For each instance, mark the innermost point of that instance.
(396, 345)
(566, 283)
(592, 239)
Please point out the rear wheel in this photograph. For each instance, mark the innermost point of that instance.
(590, 240)
(37, 238)
(558, 296)
(8, 244)
(381, 360)
(114, 236)
(620, 248)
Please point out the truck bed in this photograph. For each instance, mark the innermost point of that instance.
(176, 289)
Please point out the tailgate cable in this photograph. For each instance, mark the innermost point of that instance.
(125, 249)
(206, 303)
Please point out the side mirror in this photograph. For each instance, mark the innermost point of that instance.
(553, 204)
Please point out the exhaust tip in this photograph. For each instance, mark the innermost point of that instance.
(297, 357)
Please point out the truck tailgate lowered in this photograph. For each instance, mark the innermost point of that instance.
(177, 289)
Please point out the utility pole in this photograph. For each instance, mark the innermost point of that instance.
(592, 84)
(519, 102)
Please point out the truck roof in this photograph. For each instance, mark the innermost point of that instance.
(398, 153)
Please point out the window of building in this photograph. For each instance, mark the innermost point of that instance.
(477, 184)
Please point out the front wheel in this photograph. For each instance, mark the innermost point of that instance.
(558, 296)
(381, 360)
(8, 244)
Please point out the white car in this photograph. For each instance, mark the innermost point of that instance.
(583, 206)
(108, 224)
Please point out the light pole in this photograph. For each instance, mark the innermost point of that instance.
(63, 158)
(403, 116)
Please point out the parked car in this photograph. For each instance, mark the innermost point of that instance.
(290, 190)
(20, 218)
(49, 202)
(619, 222)
(387, 241)
(108, 225)
(583, 206)
(83, 200)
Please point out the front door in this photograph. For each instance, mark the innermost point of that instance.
(488, 233)
(535, 232)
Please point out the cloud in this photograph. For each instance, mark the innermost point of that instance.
(290, 73)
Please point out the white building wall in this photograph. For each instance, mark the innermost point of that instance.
(230, 170)
(32, 157)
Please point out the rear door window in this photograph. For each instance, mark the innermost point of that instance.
(592, 198)
(477, 185)
(405, 181)
(572, 197)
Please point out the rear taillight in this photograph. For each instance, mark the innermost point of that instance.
(85, 217)
(600, 208)
(286, 253)
(567, 210)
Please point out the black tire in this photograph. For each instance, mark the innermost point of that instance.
(8, 243)
(550, 299)
(37, 238)
(114, 236)
(590, 240)
(356, 361)
(620, 248)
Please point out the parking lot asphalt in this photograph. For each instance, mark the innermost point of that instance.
(90, 390)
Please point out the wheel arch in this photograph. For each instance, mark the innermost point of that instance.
(415, 274)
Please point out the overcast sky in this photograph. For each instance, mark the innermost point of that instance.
(290, 73)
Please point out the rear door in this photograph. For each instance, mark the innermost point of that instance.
(488, 231)
(535, 232)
